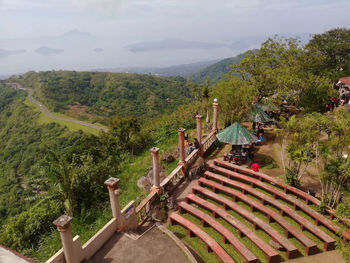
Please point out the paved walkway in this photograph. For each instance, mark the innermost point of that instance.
(9, 256)
(154, 246)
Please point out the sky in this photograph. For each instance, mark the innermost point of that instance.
(132, 21)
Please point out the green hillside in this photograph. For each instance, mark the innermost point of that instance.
(104, 95)
(22, 145)
(216, 71)
(47, 170)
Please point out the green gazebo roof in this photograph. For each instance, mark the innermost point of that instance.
(267, 106)
(258, 115)
(236, 134)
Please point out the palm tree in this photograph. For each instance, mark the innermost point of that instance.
(61, 176)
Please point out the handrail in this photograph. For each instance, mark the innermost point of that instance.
(172, 176)
(143, 209)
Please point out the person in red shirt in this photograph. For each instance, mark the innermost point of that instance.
(255, 167)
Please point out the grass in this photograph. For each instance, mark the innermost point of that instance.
(43, 119)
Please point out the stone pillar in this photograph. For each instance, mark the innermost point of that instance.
(63, 226)
(181, 133)
(215, 116)
(112, 185)
(199, 132)
(155, 167)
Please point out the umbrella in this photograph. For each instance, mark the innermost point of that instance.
(258, 115)
(236, 134)
(267, 106)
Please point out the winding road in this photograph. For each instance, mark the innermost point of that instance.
(47, 113)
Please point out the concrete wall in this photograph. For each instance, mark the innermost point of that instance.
(98, 240)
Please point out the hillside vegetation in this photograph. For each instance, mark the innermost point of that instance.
(23, 143)
(216, 71)
(48, 170)
(109, 94)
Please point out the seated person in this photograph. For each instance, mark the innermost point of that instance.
(196, 143)
(260, 139)
(245, 155)
(191, 148)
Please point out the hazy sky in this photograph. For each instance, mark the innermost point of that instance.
(114, 24)
(218, 20)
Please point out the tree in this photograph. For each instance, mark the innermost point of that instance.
(274, 69)
(329, 53)
(60, 174)
(337, 180)
(316, 94)
(235, 97)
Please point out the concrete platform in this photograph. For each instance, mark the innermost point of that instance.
(154, 246)
(9, 256)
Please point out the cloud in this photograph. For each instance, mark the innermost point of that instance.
(104, 7)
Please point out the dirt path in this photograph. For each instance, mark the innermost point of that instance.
(45, 111)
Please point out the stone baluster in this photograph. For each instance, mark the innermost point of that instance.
(155, 167)
(215, 116)
(181, 133)
(199, 133)
(112, 185)
(64, 227)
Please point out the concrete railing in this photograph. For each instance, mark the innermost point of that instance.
(143, 209)
(173, 178)
(78, 252)
(129, 217)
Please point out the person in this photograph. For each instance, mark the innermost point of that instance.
(196, 143)
(245, 154)
(260, 139)
(191, 148)
(261, 130)
(255, 167)
(186, 139)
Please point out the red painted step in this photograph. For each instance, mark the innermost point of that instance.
(193, 229)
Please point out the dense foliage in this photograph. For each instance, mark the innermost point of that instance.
(216, 71)
(22, 147)
(47, 168)
(108, 94)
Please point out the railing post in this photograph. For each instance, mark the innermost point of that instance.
(112, 185)
(63, 226)
(215, 116)
(199, 133)
(181, 133)
(155, 168)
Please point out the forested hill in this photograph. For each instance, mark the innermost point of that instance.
(23, 143)
(109, 94)
(216, 71)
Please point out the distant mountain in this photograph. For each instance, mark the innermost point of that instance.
(183, 70)
(171, 44)
(48, 51)
(6, 53)
(216, 71)
(2, 77)
(75, 33)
